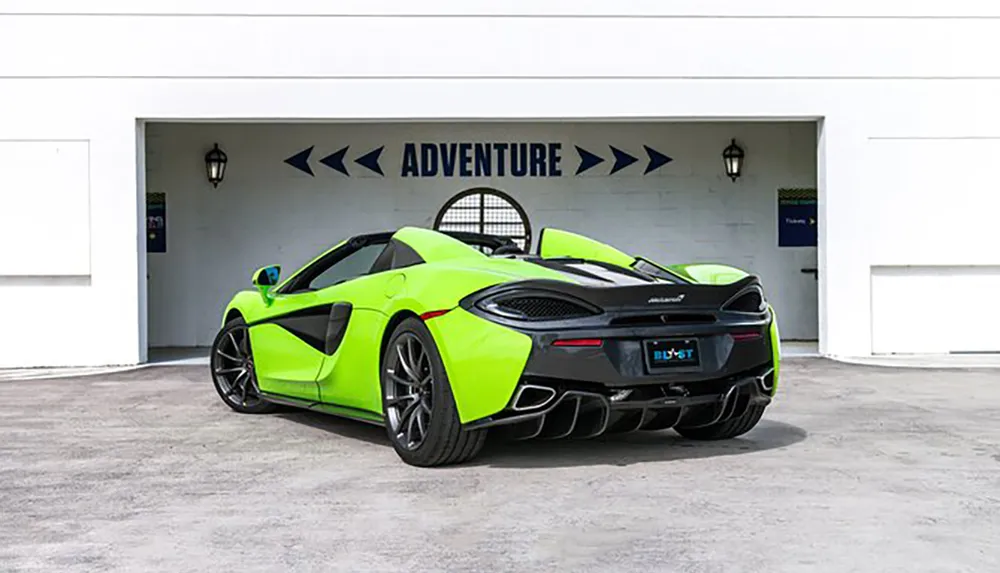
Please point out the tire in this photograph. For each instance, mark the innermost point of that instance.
(233, 372)
(421, 418)
(728, 429)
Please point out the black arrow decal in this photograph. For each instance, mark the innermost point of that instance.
(656, 159)
(335, 161)
(587, 159)
(370, 160)
(622, 159)
(300, 161)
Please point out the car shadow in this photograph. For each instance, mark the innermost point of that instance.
(352, 429)
(633, 448)
(613, 449)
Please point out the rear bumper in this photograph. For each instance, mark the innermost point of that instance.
(622, 360)
(563, 409)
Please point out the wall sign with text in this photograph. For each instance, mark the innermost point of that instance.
(483, 159)
(156, 223)
(797, 217)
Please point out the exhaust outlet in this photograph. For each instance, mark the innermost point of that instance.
(766, 381)
(530, 397)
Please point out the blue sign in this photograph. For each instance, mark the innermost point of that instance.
(480, 159)
(797, 217)
(682, 354)
(156, 223)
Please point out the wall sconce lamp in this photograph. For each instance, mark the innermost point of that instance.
(215, 164)
(732, 156)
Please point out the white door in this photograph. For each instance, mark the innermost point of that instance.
(791, 283)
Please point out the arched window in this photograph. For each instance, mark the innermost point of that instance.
(488, 211)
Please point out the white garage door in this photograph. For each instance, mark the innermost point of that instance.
(933, 291)
(933, 310)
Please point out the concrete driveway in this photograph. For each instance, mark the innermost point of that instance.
(853, 469)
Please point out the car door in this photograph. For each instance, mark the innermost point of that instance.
(285, 360)
(349, 376)
(290, 342)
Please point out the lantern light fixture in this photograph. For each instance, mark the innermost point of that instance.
(732, 157)
(215, 164)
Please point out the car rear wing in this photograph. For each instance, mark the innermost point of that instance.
(570, 300)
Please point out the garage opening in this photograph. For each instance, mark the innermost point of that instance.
(291, 191)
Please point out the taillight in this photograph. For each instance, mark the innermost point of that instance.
(433, 314)
(578, 342)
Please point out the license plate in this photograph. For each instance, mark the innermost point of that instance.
(672, 353)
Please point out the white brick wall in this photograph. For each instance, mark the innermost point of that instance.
(267, 212)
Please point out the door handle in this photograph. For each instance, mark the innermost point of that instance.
(813, 272)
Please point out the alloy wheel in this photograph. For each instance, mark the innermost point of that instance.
(232, 366)
(409, 391)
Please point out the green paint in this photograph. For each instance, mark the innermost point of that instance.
(708, 273)
(435, 247)
(775, 348)
(557, 243)
(284, 365)
(262, 279)
(483, 360)
(351, 376)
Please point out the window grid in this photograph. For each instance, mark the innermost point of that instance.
(486, 211)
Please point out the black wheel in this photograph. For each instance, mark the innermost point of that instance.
(233, 370)
(420, 413)
(728, 429)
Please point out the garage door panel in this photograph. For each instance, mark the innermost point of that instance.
(935, 309)
(45, 217)
(942, 182)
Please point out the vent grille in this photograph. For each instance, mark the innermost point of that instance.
(539, 307)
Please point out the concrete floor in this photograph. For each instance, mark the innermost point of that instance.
(853, 469)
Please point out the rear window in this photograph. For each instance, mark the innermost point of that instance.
(647, 268)
(600, 272)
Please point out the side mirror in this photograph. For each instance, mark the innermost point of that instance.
(265, 279)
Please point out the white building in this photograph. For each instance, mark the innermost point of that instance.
(886, 112)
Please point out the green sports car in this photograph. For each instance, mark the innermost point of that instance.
(443, 336)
